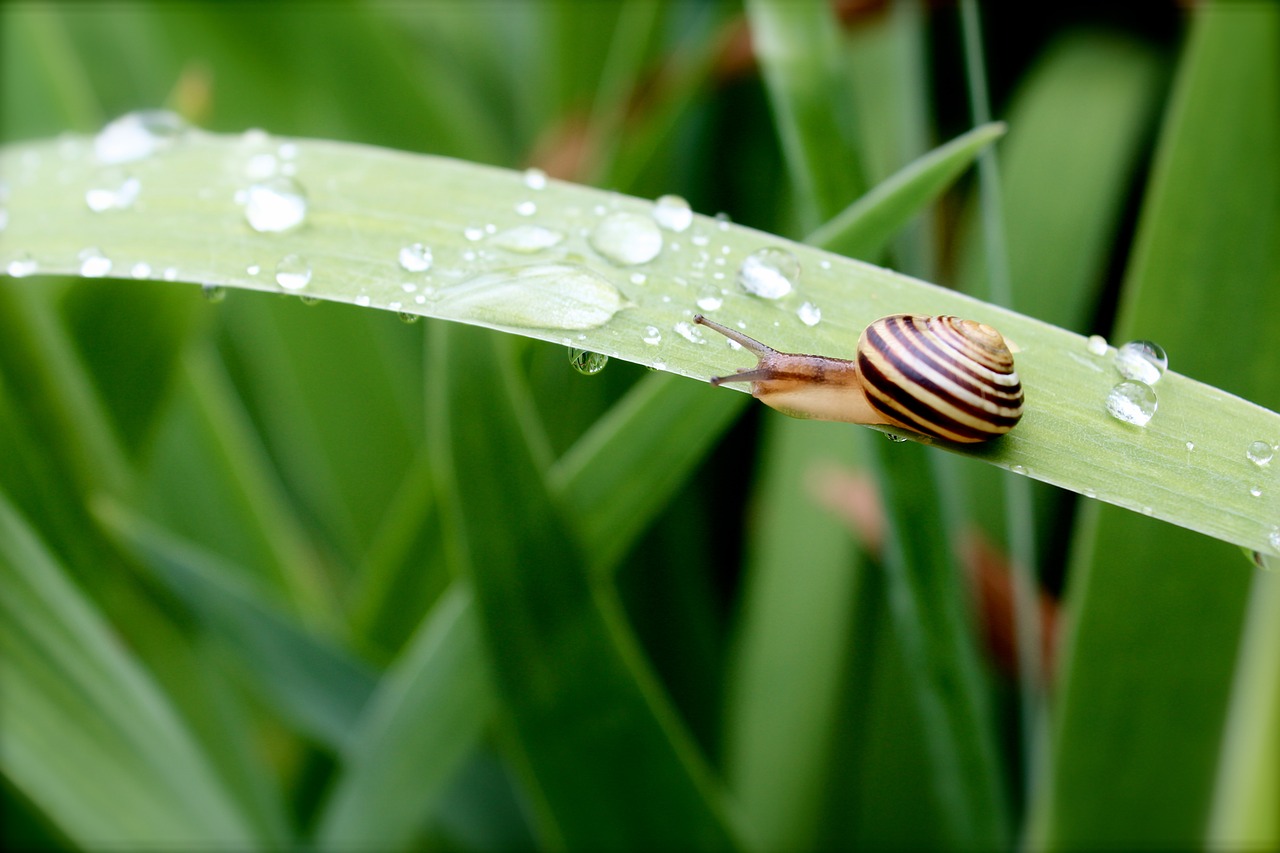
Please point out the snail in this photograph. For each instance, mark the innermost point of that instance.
(937, 376)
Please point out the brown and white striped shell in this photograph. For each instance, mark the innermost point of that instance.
(942, 377)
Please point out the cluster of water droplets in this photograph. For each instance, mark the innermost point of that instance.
(1141, 364)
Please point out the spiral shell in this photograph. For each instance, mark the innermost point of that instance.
(941, 376)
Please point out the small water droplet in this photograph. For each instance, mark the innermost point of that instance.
(1142, 361)
(639, 278)
(94, 264)
(170, 274)
(1132, 402)
(141, 269)
(690, 332)
(112, 192)
(213, 292)
(1260, 453)
(710, 298)
(1019, 469)
(769, 273)
(673, 213)
(526, 239)
(275, 205)
(309, 301)
(1274, 539)
(627, 239)
(535, 179)
(261, 166)
(293, 272)
(23, 266)
(586, 362)
(1191, 445)
(407, 318)
(288, 150)
(1097, 345)
(363, 300)
(473, 233)
(896, 439)
(652, 335)
(809, 314)
(1255, 491)
(415, 257)
(253, 269)
(137, 135)
(526, 208)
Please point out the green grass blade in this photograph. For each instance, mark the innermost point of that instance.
(556, 640)
(367, 203)
(863, 228)
(311, 682)
(1158, 612)
(87, 735)
(427, 715)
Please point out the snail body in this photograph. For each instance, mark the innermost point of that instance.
(943, 377)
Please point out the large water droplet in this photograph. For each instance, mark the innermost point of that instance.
(275, 205)
(112, 192)
(293, 272)
(526, 239)
(1142, 361)
(627, 239)
(23, 266)
(586, 362)
(673, 213)
(1097, 345)
(94, 264)
(137, 135)
(416, 257)
(769, 273)
(809, 314)
(1260, 452)
(539, 296)
(1132, 402)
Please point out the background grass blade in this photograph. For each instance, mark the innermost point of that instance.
(555, 639)
(1159, 611)
(135, 774)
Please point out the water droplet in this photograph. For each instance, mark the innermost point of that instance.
(415, 257)
(710, 298)
(113, 192)
(1132, 402)
(94, 264)
(627, 239)
(1142, 361)
(1191, 445)
(526, 208)
(23, 266)
(539, 296)
(293, 272)
(1097, 345)
(1274, 539)
(673, 213)
(586, 362)
(689, 332)
(288, 150)
(407, 318)
(896, 439)
(261, 166)
(253, 269)
(652, 335)
(309, 301)
(137, 135)
(1260, 452)
(141, 269)
(1255, 491)
(526, 239)
(1019, 469)
(769, 273)
(363, 300)
(170, 274)
(473, 233)
(535, 179)
(809, 314)
(639, 278)
(275, 205)
(213, 292)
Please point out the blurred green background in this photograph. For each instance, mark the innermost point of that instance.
(280, 576)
